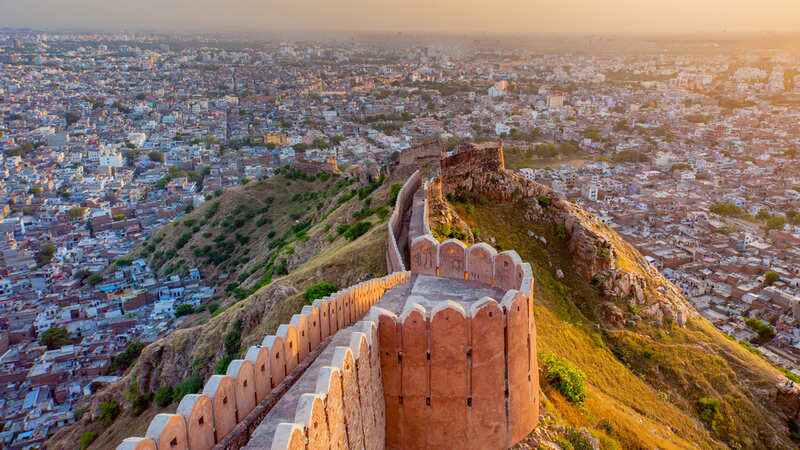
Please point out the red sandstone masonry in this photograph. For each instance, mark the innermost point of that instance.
(197, 412)
(168, 431)
(394, 260)
(453, 259)
(243, 374)
(487, 420)
(457, 398)
(204, 420)
(137, 443)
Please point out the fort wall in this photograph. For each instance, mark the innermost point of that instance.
(337, 404)
(394, 252)
(230, 406)
(456, 378)
(439, 375)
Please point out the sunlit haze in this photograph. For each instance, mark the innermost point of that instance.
(582, 16)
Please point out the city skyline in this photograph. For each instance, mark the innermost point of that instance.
(568, 16)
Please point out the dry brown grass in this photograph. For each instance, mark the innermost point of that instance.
(643, 383)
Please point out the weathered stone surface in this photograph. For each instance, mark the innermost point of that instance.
(259, 356)
(480, 263)
(222, 392)
(452, 259)
(415, 383)
(137, 443)
(311, 416)
(288, 436)
(506, 265)
(329, 386)
(303, 344)
(339, 308)
(168, 431)
(526, 285)
(370, 330)
(522, 417)
(389, 343)
(449, 388)
(277, 358)
(487, 422)
(323, 306)
(312, 323)
(291, 345)
(424, 255)
(243, 374)
(199, 417)
(353, 409)
(360, 349)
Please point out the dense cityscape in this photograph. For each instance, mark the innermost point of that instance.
(691, 154)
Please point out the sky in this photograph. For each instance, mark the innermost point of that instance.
(559, 16)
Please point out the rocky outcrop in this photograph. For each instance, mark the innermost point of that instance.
(595, 251)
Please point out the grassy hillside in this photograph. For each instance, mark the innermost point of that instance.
(307, 233)
(647, 387)
(247, 235)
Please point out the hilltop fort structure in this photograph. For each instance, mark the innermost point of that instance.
(440, 353)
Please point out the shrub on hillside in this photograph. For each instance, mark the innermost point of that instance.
(183, 309)
(127, 357)
(771, 277)
(319, 290)
(108, 412)
(544, 201)
(164, 396)
(86, 439)
(356, 230)
(564, 377)
(765, 331)
(55, 337)
(190, 385)
(709, 410)
(394, 191)
(139, 401)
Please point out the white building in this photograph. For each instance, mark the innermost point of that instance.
(501, 129)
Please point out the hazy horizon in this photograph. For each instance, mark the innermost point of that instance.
(550, 16)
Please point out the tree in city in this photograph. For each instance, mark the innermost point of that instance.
(55, 337)
(771, 277)
(156, 156)
(45, 254)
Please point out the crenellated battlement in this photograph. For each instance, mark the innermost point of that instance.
(459, 378)
(441, 353)
(232, 405)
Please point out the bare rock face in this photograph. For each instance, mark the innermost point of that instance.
(787, 398)
(446, 219)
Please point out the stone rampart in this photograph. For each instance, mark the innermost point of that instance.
(456, 378)
(394, 253)
(206, 420)
(479, 262)
(343, 405)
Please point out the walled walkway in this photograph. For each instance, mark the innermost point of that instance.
(425, 290)
(453, 348)
(440, 353)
